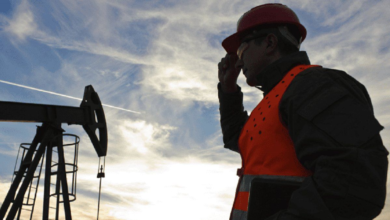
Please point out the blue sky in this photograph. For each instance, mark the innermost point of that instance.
(160, 58)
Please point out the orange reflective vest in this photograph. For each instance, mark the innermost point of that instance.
(266, 148)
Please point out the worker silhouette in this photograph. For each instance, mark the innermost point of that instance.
(311, 148)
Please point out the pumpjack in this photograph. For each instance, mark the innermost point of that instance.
(49, 139)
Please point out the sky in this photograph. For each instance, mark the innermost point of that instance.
(158, 59)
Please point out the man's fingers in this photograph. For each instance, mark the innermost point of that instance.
(224, 63)
(227, 65)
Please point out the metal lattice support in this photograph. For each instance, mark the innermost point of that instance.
(70, 149)
(28, 204)
(48, 136)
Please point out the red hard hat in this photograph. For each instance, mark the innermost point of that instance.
(267, 14)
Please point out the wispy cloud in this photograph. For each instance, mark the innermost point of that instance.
(22, 24)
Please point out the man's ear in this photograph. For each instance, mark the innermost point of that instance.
(272, 42)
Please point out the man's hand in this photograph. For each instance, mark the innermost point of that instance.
(228, 73)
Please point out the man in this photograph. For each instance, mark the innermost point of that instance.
(311, 148)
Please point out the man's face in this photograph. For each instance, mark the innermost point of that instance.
(253, 58)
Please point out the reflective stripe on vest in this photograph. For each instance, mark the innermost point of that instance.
(266, 148)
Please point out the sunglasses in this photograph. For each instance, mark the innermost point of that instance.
(245, 44)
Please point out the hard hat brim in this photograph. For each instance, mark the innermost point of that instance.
(231, 43)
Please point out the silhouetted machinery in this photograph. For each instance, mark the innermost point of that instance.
(49, 139)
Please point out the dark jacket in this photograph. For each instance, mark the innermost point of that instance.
(331, 122)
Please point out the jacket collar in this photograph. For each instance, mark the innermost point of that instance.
(273, 73)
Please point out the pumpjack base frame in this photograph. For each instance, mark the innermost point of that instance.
(49, 135)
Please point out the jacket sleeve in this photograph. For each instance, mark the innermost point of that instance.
(233, 117)
(330, 119)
